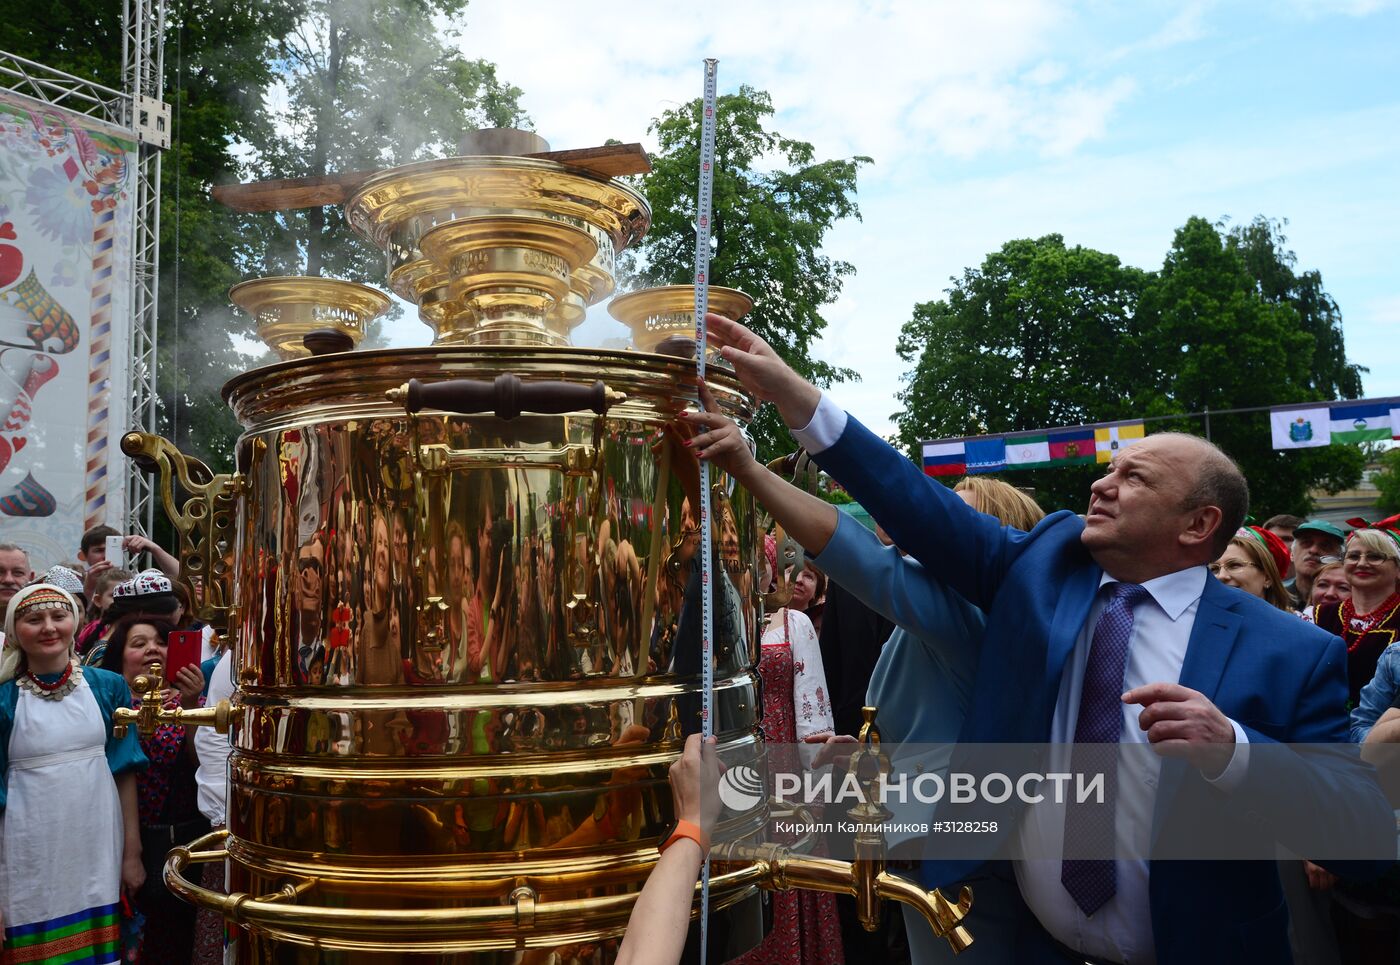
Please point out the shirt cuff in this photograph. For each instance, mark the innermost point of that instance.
(827, 424)
(1233, 775)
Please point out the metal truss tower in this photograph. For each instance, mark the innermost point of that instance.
(143, 73)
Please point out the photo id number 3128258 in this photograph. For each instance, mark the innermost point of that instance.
(964, 827)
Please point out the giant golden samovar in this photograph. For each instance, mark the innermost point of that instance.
(461, 588)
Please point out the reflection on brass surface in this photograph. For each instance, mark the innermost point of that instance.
(287, 307)
(655, 314)
(447, 687)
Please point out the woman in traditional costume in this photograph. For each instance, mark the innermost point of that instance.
(806, 925)
(1368, 621)
(70, 842)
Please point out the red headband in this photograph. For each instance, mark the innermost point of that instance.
(1277, 548)
(1390, 526)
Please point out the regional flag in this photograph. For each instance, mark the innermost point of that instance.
(1071, 447)
(1395, 423)
(1028, 452)
(1360, 422)
(1109, 440)
(985, 454)
(1301, 428)
(945, 459)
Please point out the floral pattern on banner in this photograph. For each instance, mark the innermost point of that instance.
(66, 291)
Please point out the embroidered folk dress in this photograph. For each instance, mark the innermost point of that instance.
(61, 831)
(1365, 640)
(806, 926)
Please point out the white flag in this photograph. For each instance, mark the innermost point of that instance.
(1301, 428)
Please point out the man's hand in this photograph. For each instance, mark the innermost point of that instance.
(1181, 722)
(836, 749)
(90, 577)
(695, 783)
(762, 372)
(136, 544)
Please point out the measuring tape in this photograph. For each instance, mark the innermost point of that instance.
(702, 304)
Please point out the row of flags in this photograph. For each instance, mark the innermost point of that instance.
(1077, 446)
(1321, 425)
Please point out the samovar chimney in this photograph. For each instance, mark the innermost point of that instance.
(501, 142)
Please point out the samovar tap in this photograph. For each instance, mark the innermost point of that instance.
(152, 712)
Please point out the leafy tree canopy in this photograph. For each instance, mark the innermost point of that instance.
(1043, 335)
(773, 205)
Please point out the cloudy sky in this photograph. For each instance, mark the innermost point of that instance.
(1110, 123)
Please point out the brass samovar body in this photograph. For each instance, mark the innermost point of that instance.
(462, 592)
(448, 690)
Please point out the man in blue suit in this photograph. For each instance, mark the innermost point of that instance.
(1110, 630)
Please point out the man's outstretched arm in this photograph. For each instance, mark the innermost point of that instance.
(961, 547)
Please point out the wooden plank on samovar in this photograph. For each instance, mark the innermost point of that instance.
(285, 194)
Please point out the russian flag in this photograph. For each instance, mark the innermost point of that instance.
(945, 459)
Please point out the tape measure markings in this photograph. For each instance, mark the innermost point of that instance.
(702, 304)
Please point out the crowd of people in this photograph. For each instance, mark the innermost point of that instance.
(1162, 616)
(88, 817)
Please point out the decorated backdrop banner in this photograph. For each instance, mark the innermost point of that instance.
(65, 324)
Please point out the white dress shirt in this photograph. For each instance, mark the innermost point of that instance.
(1121, 930)
(213, 749)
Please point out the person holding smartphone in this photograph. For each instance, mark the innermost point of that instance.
(167, 793)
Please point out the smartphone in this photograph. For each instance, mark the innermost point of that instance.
(184, 647)
(115, 554)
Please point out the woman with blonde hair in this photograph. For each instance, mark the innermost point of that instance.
(1252, 563)
(995, 498)
(1329, 586)
(1367, 622)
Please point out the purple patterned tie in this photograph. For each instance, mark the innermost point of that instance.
(1089, 827)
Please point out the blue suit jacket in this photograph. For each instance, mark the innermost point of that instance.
(1281, 679)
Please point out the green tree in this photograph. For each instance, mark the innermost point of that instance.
(368, 86)
(1214, 337)
(1387, 482)
(1263, 246)
(1042, 335)
(767, 229)
(217, 68)
(1039, 335)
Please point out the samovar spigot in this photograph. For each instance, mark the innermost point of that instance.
(870, 766)
(152, 712)
(866, 876)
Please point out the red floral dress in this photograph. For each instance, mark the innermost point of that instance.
(806, 926)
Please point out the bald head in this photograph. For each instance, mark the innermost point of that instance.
(1218, 482)
(1167, 503)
